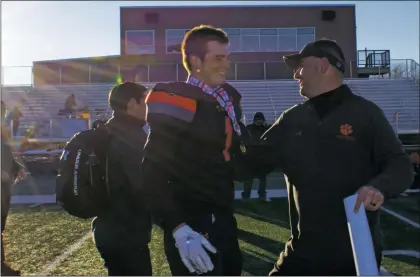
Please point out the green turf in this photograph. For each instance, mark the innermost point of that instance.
(34, 238)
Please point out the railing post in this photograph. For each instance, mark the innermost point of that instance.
(265, 71)
(32, 76)
(59, 72)
(351, 70)
(148, 73)
(89, 72)
(12, 135)
(176, 70)
(236, 72)
(51, 126)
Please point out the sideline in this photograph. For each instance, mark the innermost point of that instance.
(57, 261)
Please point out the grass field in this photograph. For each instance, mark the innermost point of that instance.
(36, 236)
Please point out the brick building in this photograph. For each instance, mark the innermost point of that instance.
(259, 37)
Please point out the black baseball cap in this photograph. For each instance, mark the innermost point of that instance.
(323, 48)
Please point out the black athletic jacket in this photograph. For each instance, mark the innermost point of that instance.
(128, 222)
(329, 147)
(186, 168)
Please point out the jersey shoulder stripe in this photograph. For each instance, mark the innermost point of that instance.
(170, 104)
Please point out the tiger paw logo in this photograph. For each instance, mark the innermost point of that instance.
(345, 132)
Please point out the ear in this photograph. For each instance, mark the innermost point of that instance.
(131, 103)
(196, 62)
(324, 65)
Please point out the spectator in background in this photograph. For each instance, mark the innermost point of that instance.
(11, 171)
(70, 104)
(257, 129)
(14, 117)
(415, 160)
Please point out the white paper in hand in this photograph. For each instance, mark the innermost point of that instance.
(361, 239)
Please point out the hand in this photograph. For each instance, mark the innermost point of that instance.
(21, 175)
(370, 197)
(4, 176)
(191, 246)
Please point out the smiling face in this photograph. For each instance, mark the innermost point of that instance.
(215, 65)
(310, 73)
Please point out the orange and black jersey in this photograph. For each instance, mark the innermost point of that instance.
(187, 158)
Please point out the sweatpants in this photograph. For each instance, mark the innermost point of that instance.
(221, 231)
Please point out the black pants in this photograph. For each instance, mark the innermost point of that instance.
(222, 233)
(298, 267)
(127, 261)
(261, 187)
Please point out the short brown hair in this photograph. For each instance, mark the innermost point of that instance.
(195, 42)
(120, 94)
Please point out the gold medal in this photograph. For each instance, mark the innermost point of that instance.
(242, 147)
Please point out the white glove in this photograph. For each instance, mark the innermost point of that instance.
(190, 246)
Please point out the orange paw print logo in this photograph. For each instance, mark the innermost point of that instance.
(346, 129)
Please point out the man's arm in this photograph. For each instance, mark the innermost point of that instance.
(263, 157)
(395, 170)
(167, 115)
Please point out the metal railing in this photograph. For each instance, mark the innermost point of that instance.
(51, 127)
(269, 70)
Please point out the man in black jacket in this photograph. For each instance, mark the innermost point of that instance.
(11, 171)
(334, 145)
(122, 235)
(257, 129)
(188, 174)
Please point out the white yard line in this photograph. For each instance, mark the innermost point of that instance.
(53, 265)
(402, 218)
(410, 253)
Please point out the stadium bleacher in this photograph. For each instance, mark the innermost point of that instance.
(269, 97)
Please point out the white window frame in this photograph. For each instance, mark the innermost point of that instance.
(166, 40)
(141, 31)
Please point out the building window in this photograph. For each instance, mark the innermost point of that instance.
(174, 39)
(287, 39)
(268, 40)
(139, 42)
(304, 36)
(253, 39)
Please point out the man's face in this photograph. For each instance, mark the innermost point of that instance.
(214, 67)
(309, 75)
(137, 110)
(258, 121)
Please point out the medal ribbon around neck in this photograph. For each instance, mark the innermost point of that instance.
(221, 96)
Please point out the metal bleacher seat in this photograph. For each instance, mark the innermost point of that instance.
(270, 97)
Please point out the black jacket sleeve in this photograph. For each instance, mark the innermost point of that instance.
(395, 170)
(168, 116)
(264, 156)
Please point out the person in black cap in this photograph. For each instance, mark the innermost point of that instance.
(123, 233)
(257, 129)
(333, 145)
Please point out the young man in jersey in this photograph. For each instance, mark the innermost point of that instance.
(188, 175)
(333, 145)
